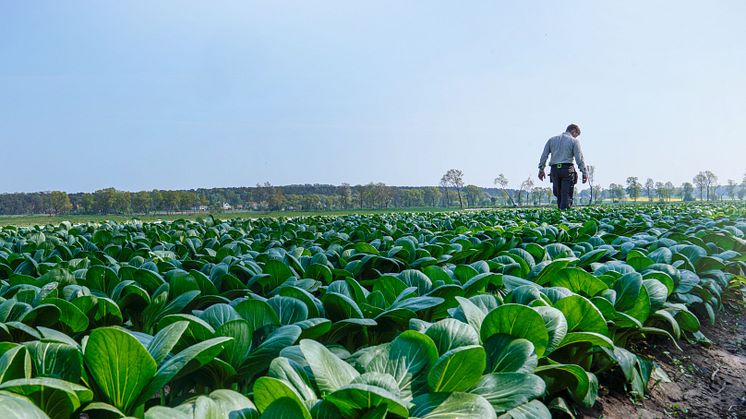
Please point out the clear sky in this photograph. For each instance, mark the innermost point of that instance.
(184, 94)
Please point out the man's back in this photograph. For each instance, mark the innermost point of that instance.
(563, 149)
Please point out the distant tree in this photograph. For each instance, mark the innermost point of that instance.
(156, 198)
(416, 197)
(455, 179)
(444, 188)
(668, 190)
(700, 180)
(104, 200)
(345, 196)
(710, 183)
(527, 185)
(170, 200)
(87, 202)
(742, 189)
(59, 202)
(633, 187)
(276, 200)
(502, 182)
(546, 194)
(142, 201)
(687, 192)
(360, 194)
(649, 185)
(473, 195)
(381, 195)
(431, 196)
(659, 190)
(598, 193)
(719, 191)
(616, 191)
(732, 185)
(121, 203)
(591, 181)
(189, 200)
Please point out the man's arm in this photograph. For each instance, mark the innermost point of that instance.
(578, 153)
(543, 160)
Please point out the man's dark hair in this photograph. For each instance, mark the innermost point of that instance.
(571, 127)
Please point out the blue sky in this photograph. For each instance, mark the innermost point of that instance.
(185, 94)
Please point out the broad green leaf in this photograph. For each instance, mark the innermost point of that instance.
(330, 372)
(583, 386)
(261, 356)
(627, 290)
(507, 390)
(578, 281)
(556, 326)
(70, 315)
(269, 392)
(293, 375)
(57, 398)
(451, 405)
(457, 370)
(120, 366)
(15, 363)
(582, 315)
(105, 410)
(13, 406)
(594, 339)
(450, 334)
(165, 340)
(289, 310)
(56, 360)
(257, 313)
(549, 270)
(237, 349)
(407, 359)
(187, 360)
(508, 354)
(235, 404)
(470, 313)
(353, 399)
(518, 321)
(531, 410)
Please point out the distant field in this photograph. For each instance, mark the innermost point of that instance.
(646, 199)
(25, 220)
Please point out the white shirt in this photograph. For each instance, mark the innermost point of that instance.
(563, 149)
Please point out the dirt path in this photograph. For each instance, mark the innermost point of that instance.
(707, 382)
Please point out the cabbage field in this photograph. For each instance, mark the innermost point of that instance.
(513, 313)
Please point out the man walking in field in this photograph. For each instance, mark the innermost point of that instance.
(563, 148)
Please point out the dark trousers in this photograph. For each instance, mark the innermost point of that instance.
(563, 184)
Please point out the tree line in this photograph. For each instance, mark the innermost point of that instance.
(451, 192)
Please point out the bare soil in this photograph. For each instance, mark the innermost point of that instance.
(706, 382)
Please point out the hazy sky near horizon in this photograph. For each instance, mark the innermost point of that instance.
(184, 94)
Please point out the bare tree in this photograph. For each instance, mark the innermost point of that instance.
(502, 182)
(591, 179)
(527, 185)
(455, 178)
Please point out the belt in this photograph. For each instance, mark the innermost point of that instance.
(561, 165)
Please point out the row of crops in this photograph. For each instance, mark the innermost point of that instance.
(515, 313)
